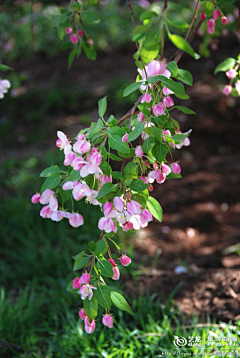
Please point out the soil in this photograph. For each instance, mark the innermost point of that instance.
(201, 210)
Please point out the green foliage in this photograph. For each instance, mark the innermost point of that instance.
(155, 208)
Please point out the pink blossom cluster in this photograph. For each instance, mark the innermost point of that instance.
(74, 37)
(89, 327)
(232, 73)
(4, 87)
(211, 23)
(128, 214)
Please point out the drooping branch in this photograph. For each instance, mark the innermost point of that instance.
(130, 113)
(193, 20)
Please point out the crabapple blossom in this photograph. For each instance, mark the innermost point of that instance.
(237, 87)
(63, 143)
(46, 212)
(134, 208)
(125, 260)
(105, 179)
(176, 169)
(4, 86)
(227, 90)
(74, 39)
(76, 283)
(68, 30)
(232, 73)
(159, 109)
(36, 198)
(112, 262)
(82, 314)
(89, 327)
(155, 68)
(76, 220)
(81, 146)
(80, 33)
(202, 16)
(107, 225)
(145, 218)
(48, 197)
(139, 151)
(140, 117)
(211, 26)
(107, 320)
(216, 14)
(167, 91)
(69, 158)
(116, 274)
(87, 291)
(168, 102)
(165, 168)
(85, 278)
(146, 98)
(125, 138)
(224, 20)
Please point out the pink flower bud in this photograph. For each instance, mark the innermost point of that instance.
(140, 117)
(76, 220)
(125, 138)
(227, 90)
(82, 314)
(80, 33)
(74, 39)
(160, 177)
(159, 109)
(107, 320)
(224, 20)
(216, 14)
(116, 274)
(147, 162)
(107, 208)
(68, 30)
(211, 26)
(76, 283)
(150, 188)
(125, 260)
(36, 198)
(145, 216)
(231, 73)
(69, 158)
(237, 87)
(112, 262)
(118, 203)
(85, 278)
(139, 151)
(134, 208)
(202, 16)
(58, 143)
(168, 101)
(165, 168)
(146, 98)
(105, 179)
(127, 226)
(167, 91)
(176, 168)
(155, 165)
(89, 327)
(90, 42)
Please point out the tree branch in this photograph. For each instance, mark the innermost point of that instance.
(130, 113)
(193, 20)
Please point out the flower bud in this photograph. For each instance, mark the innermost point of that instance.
(89, 327)
(116, 274)
(107, 320)
(82, 314)
(80, 33)
(146, 98)
(68, 30)
(74, 39)
(36, 198)
(224, 20)
(202, 16)
(176, 169)
(125, 138)
(112, 262)
(85, 278)
(139, 151)
(140, 117)
(216, 14)
(76, 220)
(125, 260)
(211, 26)
(231, 73)
(168, 102)
(159, 109)
(237, 87)
(76, 283)
(227, 90)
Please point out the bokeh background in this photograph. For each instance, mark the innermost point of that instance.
(200, 228)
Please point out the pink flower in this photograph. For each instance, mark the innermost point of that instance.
(78, 163)
(118, 203)
(63, 143)
(127, 226)
(76, 283)
(168, 102)
(125, 260)
(69, 158)
(145, 216)
(76, 220)
(112, 262)
(227, 90)
(49, 198)
(140, 117)
(105, 179)
(81, 190)
(185, 142)
(159, 109)
(139, 151)
(116, 274)
(85, 278)
(224, 20)
(68, 30)
(107, 320)
(134, 208)
(89, 327)
(231, 73)
(146, 98)
(68, 185)
(167, 132)
(216, 14)
(165, 169)
(158, 175)
(211, 26)
(46, 212)
(81, 147)
(125, 138)
(202, 16)
(155, 68)
(108, 211)
(92, 167)
(237, 87)
(36, 198)
(82, 314)
(176, 168)
(80, 33)
(58, 215)
(86, 291)
(107, 225)
(74, 39)
(167, 91)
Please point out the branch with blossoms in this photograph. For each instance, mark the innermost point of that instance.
(143, 146)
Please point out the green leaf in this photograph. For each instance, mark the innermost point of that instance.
(136, 132)
(89, 50)
(173, 68)
(106, 168)
(209, 8)
(120, 302)
(60, 19)
(160, 151)
(74, 175)
(78, 256)
(183, 45)
(179, 137)
(71, 57)
(225, 65)
(92, 246)
(65, 194)
(50, 170)
(102, 106)
(105, 267)
(69, 287)
(138, 185)
(91, 307)
(51, 182)
(155, 208)
(90, 17)
(185, 77)
(100, 247)
(133, 87)
(93, 2)
(176, 87)
(174, 176)
(115, 141)
(106, 189)
(115, 157)
(148, 144)
(75, 6)
(5, 68)
(180, 24)
(157, 133)
(80, 263)
(131, 154)
(147, 15)
(131, 170)
(185, 110)
(103, 295)
(117, 175)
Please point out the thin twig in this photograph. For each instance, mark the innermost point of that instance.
(101, 235)
(130, 112)
(165, 5)
(193, 20)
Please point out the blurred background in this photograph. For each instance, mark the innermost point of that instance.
(185, 270)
